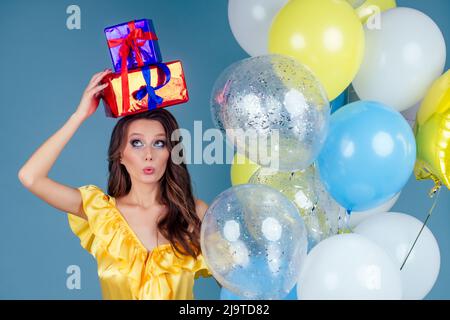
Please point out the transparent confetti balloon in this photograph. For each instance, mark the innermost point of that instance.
(273, 109)
(254, 241)
(323, 216)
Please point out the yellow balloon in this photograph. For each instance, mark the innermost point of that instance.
(325, 35)
(356, 3)
(371, 7)
(432, 131)
(242, 169)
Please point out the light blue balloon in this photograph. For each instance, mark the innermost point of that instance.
(368, 155)
(339, 101)
(257, 266)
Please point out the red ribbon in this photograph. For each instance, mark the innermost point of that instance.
(135, 39)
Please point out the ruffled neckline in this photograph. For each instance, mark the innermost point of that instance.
(140, 245)
(107, 233)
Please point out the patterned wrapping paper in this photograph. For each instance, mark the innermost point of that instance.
(135, 35)
(172, 93)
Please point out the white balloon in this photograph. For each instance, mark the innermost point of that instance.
(349, 266)
(250, 21)
(396, 232)
(402, 58)
(356, 217)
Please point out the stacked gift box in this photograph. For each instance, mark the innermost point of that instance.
(141, 81)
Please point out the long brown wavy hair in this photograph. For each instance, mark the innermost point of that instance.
(175, 184)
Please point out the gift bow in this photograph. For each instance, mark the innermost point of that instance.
(153, 99)
(135, 39)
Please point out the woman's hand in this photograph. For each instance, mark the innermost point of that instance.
(91, 95)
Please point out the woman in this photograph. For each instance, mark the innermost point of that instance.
(145, 233)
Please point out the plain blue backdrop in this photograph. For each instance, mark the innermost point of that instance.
(44, 70)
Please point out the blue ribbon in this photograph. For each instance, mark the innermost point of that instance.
(153, 99)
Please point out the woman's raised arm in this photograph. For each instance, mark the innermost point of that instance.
(34, 173)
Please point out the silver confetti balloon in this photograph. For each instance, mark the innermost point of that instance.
(254, 241)
(273, 110)
(322, 215)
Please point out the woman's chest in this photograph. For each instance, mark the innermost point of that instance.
(144, 225)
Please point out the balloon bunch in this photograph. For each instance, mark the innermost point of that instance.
(304, 165)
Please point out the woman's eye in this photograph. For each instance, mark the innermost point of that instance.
(133, 143)
(159, 144)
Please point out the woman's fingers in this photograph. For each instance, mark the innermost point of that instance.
(97, 78)
(98, 88)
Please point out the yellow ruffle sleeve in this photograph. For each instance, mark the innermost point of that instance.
(126, 269)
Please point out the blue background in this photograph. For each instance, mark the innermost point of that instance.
(44, 70)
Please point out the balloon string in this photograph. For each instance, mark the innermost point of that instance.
(432, 193)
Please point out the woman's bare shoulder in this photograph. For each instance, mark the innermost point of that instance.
(200, 208)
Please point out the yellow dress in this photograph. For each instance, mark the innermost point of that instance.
(126, 269)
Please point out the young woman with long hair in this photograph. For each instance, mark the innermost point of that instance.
(145, 231)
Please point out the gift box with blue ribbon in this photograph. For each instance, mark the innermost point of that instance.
(141, 81)
(148, 88)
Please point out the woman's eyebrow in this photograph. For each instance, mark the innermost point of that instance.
(140, 134)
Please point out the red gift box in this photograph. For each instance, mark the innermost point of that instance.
(173, 92)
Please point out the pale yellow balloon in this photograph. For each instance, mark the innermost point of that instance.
(370, 7)
(325, 35)
(432, 132)
(242, 169)
(356, 3)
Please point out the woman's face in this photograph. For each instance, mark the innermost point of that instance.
(146, 147)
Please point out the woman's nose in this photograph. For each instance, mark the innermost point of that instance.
(148, 154)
